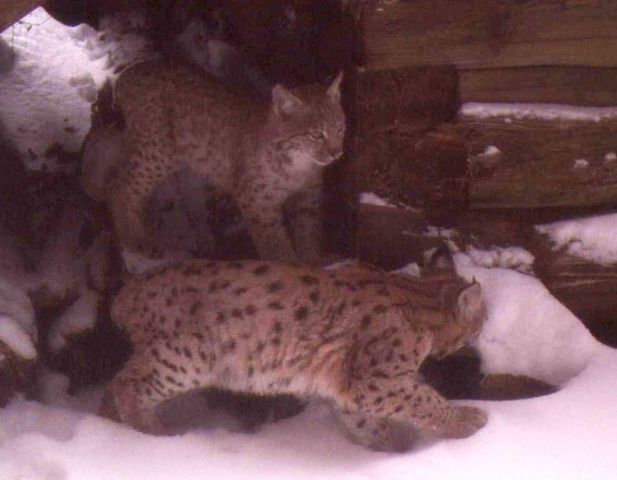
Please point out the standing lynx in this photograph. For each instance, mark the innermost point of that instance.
(268, 155)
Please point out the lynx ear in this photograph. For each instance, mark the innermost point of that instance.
(470, 300)
(284, 102)
(334, 90)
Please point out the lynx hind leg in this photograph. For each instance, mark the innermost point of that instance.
(377, 433)
(136, 391)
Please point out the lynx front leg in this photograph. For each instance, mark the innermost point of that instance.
(404, 400)
(130, 194)
(305, 225)
(265, 222)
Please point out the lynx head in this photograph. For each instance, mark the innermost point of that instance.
(466, 315)
(309, 123)
(455, 312)
(462, 303)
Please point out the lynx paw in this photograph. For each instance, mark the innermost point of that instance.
(465, 421)
(378, 434)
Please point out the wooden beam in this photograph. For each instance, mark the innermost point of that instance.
(589, 290)
(13, 10)
(387, 236)
(400, 149)
(476, 34)
(541, 162)
(566, 85)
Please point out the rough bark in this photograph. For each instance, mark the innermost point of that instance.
(401, 148)
(541, 163)
(490, 33)
(586, 86)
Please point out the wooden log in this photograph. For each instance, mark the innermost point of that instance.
(566, 85)
(540, 162)
(13, 10)
(589, 290)
(490, 33)
(391, 238)
(400, 148)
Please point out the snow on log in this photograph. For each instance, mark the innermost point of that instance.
(490, 33)
(402, 150)
(545, 156)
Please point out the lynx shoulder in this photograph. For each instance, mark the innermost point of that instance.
(356, 338)
(267, 154)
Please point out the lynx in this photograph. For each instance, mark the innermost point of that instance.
(353, 337)
(268, 155)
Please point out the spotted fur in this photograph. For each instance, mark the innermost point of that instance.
(352, 336)
(268, 155)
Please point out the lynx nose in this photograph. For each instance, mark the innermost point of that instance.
(335, 150)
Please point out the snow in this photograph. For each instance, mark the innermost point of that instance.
(136, 262)
(371, 198)
(567, 435)
(13, 336)
(51, 69)
(610, 158)
(79, 317)
(580, 164)
(17, 328)
(515, 258)
(528, 332)
(591, 238)
(539, 111)
(491, 150)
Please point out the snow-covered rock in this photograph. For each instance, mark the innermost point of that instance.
(528, 332)
(17, 323)
(79, 317)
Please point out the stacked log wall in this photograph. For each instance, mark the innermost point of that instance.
(515, 168)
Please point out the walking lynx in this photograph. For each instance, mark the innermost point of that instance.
(354, 337)
(268, 155)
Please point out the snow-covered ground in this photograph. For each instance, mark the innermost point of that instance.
(569, 435)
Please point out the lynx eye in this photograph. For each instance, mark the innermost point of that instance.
(317, 135)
